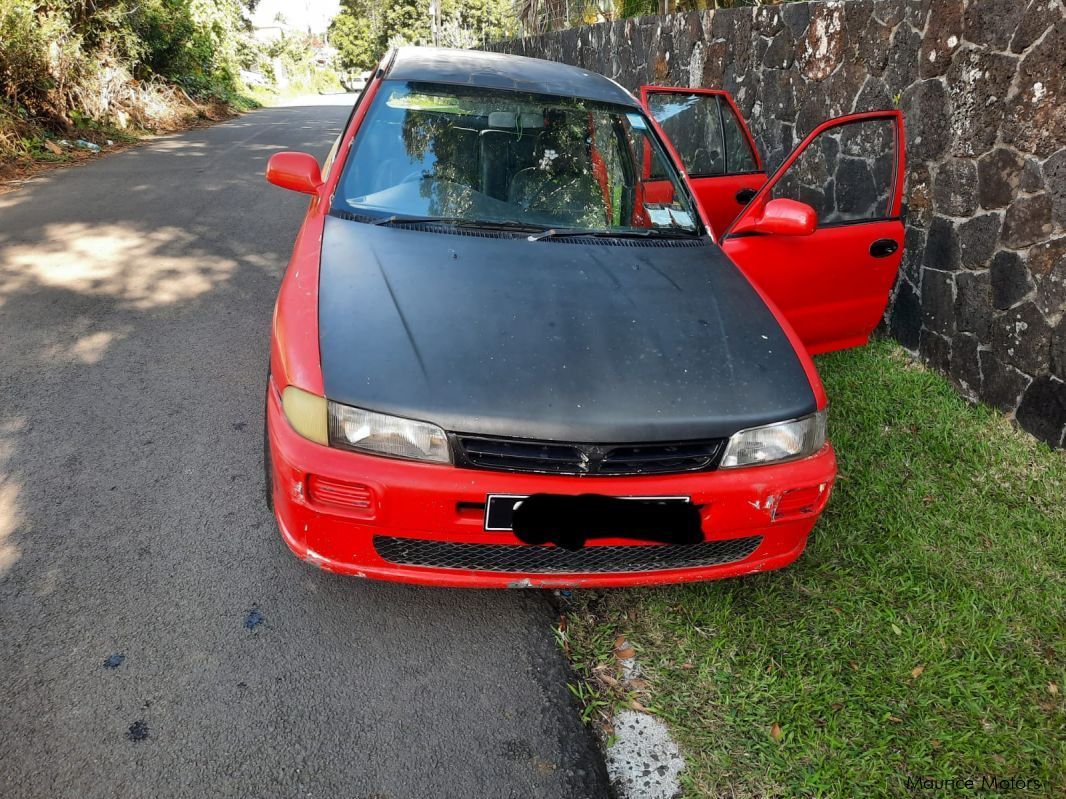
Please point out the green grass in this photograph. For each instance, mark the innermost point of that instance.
(922, 632)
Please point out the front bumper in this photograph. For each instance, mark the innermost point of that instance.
(744, 522)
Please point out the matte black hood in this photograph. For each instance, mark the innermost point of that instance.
(592, 343)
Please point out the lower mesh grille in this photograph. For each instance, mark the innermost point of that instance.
(538, 559)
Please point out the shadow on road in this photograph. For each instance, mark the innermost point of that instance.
(135, 300)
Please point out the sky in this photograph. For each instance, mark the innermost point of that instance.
(298, 13)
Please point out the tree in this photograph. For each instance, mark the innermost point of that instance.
(365, 29)
(355, 40)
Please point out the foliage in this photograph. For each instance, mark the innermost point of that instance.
(364, 29)
(55, 54)
(354, 34)
(69, 64)
(922, 633)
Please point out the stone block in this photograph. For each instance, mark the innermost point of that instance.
(1034, 20)
(1028, 220)
(821, 50)
(964, 364)
(796, 17)
(1058, 349)
(781, 52)
(1043, 410)
(955, 187)
(1022, 337)
(874, 95)
(979, 82)
(935, 350)
(1047, 265)
(925, 105)
(913, 253)
(905, 316)
(901, 69)
(973, 303)
(918, 193)
(1031, 180)
(938, 301)
(1001, 384)
(998, 177)
(977, 240)
(1010, 279)
(1054, 170)
(942, 250)
(1035, 121)
(942, 37)
(875, 46)
(992, 23)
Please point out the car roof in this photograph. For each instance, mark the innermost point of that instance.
(501, 71)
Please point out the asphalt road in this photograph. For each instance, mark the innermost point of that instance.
(135, 301)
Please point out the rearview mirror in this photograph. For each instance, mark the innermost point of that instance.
(782, 217)
(296, 171)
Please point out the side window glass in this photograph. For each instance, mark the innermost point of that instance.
(846, 173)
(649, 163)
(694, 126)
(739, 157)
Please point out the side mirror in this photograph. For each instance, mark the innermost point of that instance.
(781, 217)
(296, 171)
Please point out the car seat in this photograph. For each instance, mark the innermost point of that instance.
(561, 184)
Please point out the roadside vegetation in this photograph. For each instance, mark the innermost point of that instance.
(922, 634)
(77, 75)
(364, 29)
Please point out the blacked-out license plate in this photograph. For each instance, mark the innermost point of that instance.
(499, 508)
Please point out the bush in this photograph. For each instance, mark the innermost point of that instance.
(116, 61)
(42, 62)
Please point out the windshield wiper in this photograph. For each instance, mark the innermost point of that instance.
(397, 219)
(644, 233)
(487, 224)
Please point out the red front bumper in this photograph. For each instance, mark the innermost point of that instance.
(432, 502)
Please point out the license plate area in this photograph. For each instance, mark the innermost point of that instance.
(499, 508)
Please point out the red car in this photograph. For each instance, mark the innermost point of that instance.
(536, 332)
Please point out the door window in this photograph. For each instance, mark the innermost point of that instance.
(847, 173)
(739, 157)
(705, 132)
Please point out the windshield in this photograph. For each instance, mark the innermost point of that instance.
(489, 156)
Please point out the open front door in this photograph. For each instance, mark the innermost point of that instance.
(831, 277)
(714, 145)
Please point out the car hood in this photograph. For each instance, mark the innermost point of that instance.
(614, 341)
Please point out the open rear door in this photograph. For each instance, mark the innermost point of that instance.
(715, 147)
(832, 282)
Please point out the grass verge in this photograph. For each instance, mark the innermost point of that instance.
(922, 634)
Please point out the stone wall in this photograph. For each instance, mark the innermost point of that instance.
(982, 291)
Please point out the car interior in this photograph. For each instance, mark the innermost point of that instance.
(565, 167)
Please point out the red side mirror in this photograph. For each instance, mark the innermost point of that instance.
(296, 171)
(782, 217)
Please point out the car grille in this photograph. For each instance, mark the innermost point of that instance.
(526, 559)
(550, 457)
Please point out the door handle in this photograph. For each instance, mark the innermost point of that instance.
(744, 196)
(882, 248)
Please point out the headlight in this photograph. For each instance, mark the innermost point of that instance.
(366, 431)
(776, 442)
